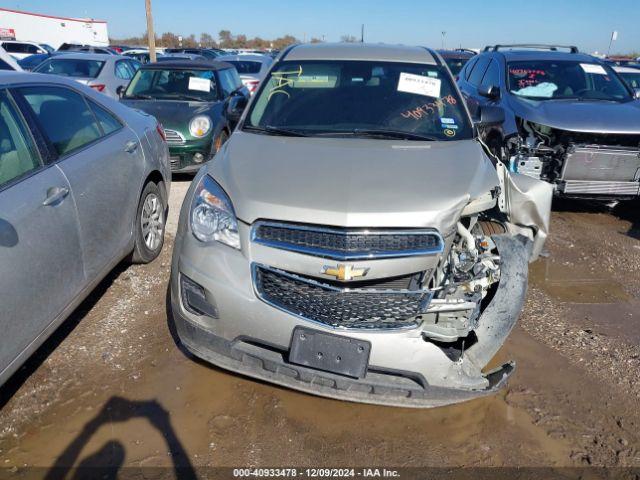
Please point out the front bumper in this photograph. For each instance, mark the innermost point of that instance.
(253, 338)
(181, 156)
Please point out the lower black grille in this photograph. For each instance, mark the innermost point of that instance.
(348, 308)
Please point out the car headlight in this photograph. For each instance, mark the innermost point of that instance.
(200, 126)
(212, 215)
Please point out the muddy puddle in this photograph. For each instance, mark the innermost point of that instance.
(574, 282)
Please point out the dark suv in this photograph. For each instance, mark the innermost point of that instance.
(569, 118)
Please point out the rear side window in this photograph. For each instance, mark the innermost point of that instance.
(123, 70)
(492, 75)
(64, 116)
(107, 121)
(247, 67)
(14, 47)
(17, 154)
(469, 67)
(478, 71)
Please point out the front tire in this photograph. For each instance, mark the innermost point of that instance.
(150, 225)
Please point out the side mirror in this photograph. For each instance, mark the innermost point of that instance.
(491, 91)
(637, 93)
(490, 117)
(235, 107)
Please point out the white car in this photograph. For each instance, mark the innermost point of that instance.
(104, 73)
(251, 68)
(7, 62)
(22, 49)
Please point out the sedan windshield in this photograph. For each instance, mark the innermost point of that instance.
(71, 67)
(550, 79)
(360, 99)
(173, 84)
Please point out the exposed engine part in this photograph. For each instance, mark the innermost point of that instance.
(471, 271)
(577, 163)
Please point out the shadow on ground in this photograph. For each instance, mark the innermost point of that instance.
(106, 463)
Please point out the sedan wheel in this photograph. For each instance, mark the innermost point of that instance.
(150, 225)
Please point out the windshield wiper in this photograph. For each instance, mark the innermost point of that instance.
(184, 96)
(140, 96)
(271, 130)
(381, 133)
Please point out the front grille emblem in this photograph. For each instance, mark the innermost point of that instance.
(344, 272)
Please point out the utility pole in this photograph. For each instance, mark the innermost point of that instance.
(444, 34)
(362, 34)
(614, 37)
(151, 36)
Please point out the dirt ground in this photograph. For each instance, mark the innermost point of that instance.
(112, 387)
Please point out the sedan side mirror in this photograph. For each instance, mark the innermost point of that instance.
(489, 91)
(490, 116)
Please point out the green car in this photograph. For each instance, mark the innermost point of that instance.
(197, 102)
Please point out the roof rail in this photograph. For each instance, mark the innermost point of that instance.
(535, 46)
(465, 50)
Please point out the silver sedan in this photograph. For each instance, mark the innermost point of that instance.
(84, 183)
(104, 73)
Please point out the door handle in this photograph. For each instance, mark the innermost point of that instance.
(131, 146)
(55, 195)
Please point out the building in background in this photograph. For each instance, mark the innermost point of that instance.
(51, 30)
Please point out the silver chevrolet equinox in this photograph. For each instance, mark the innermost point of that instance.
(353, 239)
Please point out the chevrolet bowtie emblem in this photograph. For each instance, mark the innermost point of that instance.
(344, 272)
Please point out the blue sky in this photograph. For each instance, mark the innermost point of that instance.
(586, 23)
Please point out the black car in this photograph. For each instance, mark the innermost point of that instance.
(569, 119)
(456, 59)
(197, 102)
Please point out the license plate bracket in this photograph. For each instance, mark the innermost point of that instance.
(330, 353)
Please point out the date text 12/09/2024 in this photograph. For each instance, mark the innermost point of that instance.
(315, 473)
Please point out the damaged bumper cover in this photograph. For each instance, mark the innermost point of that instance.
(403, 368)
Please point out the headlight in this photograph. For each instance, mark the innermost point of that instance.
(200, 126)
(212, 215)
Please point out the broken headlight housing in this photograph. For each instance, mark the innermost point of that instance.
(212, 216)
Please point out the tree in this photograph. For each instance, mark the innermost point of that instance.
(348, 39)
(315, 40)
(169, 40)
(225, 38)
(207, 41)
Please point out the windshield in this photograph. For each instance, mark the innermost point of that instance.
(246, 67)
(173, 84)
(631, 78)
(71, 67)
(360, 98)
(550, 79)
(455, 64)
(48, 48)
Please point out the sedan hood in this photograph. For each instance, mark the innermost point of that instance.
(175, 115)
(352, 182)
(580, 115)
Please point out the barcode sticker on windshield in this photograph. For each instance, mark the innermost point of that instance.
(427, 86)
(200, 84)
(593, 68)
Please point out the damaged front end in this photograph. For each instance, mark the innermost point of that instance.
(586, 165)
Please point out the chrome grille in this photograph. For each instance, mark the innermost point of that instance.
(174, 162)
(173, 137)
(365, 308)
(347, 243)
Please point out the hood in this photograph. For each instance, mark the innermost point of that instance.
(352, 182)
(580, 115)
(176, 115)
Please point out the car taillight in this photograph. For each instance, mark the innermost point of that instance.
(253, 85)
(98, 87)
(160, 131)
